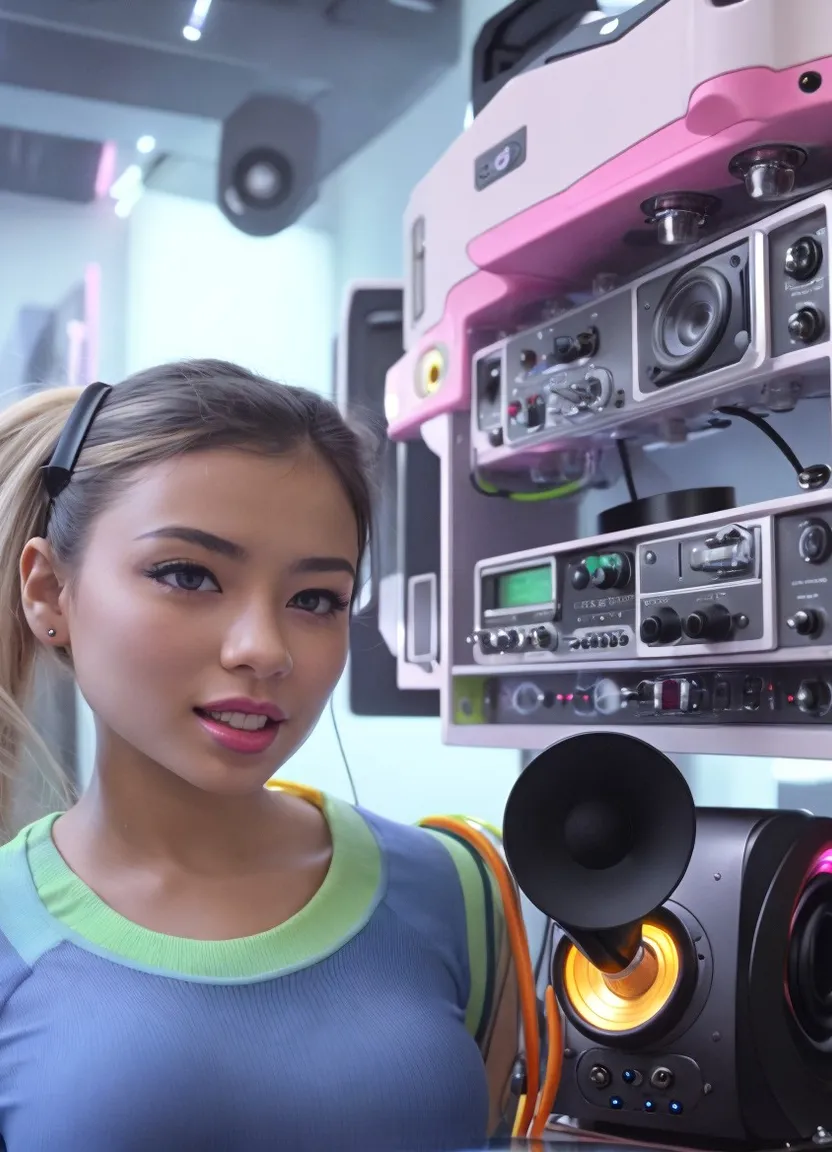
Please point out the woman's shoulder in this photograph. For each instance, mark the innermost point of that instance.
(21, 941)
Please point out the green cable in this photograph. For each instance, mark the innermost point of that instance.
(486, 489)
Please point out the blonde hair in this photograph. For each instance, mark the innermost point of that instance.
(150, 417)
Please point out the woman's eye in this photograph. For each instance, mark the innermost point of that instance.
(319, 602)
(185, 578)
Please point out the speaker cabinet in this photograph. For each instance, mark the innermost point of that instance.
(693, 955)
(268, 169)
(399, 606)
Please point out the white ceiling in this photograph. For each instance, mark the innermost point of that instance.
(119, 69)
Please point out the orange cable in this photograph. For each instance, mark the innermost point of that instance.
(518, 942)
(554, 1066)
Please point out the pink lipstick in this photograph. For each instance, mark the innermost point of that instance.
(240, 724)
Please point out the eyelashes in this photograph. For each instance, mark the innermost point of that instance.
(185, 576)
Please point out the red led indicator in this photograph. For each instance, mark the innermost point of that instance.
(671, 696)
(560, 697)
(513, 410)
(790, 699)
(570, 697)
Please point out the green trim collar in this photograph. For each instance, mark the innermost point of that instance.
(57, 905)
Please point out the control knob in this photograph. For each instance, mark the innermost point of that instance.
(803, 259)
(508, 639)
(612, 572)
(663, 627)
(815, 542)
(806, 325)
(544, 637)
(569, 348)
(485, 639)
(814, 697)
(806, 622)
(713, 622)
(580, 577)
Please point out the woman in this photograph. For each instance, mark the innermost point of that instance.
(187, 959)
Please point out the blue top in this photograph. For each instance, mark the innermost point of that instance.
(352, 1025)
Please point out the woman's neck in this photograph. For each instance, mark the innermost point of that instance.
(137, 812)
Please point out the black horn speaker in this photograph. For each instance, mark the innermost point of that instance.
(691, 951)
(598, 831)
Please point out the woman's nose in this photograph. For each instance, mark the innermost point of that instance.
(255, 642)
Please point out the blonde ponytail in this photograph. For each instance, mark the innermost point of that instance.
(29, 430)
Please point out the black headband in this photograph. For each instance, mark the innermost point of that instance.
(58, 472)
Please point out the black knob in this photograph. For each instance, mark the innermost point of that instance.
(599, 1076)
(806, 325)
(815, 542)
(528, 359)
(507, 639)
(664, 627)
(587, 342)
(713, 622)
(580, 577)
(814, 697)
(612, 572)
(806, 622)
(569, 348)
(804, 258)
(662, 1078)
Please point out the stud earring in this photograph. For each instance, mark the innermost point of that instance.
(51, 633)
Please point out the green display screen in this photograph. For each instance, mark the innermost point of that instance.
(527, 586)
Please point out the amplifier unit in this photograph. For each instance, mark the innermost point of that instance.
(743, 321)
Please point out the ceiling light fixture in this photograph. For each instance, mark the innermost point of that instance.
(193, 29)
(127, 190)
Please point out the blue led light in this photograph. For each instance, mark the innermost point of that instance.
(616, 1102)
(675, 1107)
(649, 1105)
(629, 1076)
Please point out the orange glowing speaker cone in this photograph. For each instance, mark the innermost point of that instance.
(607, 1004)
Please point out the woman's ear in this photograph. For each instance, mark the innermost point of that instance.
(42, 594)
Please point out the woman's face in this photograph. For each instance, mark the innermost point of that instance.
(209, 621)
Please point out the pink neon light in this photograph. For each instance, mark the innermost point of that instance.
(822, 865)
(92, 319)
(76, 335)
(106, 173)
(579, 227)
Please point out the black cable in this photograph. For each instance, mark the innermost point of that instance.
(626, 467)
(548, 934)
(815, 476)
(353, 788)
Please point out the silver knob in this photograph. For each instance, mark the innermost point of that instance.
(544, 637)
(507, 639)
(484, 638)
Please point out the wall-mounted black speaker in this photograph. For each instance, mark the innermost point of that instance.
(268, 169)
(693, 954)
(397, 609)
